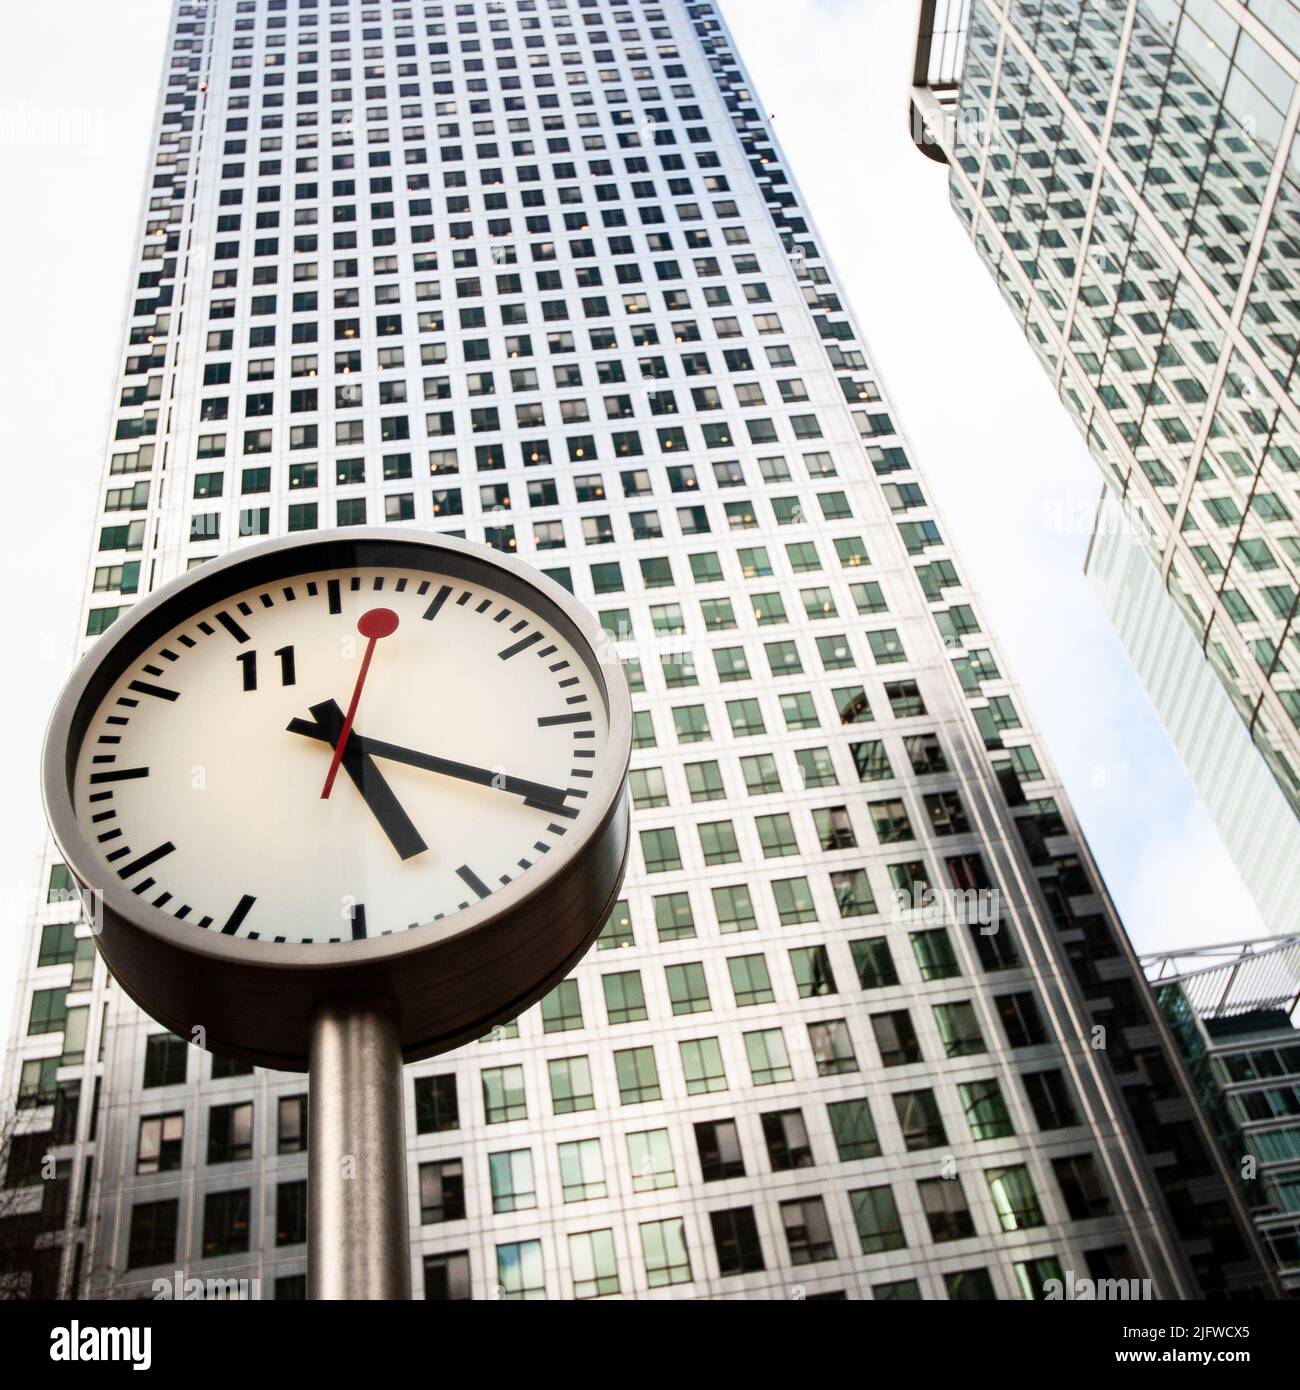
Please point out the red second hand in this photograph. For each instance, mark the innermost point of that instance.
(377, 623)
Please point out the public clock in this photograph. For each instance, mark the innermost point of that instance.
(369, 762)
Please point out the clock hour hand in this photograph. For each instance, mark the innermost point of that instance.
(535, 794)
(369, 781)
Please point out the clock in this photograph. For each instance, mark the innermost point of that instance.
(368, 763)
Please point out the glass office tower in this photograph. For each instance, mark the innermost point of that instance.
(1129, 173)
(864, 1023)
(1253, 817)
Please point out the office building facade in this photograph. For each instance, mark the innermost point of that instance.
(1129, 174)
(1250, 810)
(1232, 1009)
(864, 1022)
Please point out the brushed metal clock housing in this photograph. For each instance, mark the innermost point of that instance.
(448, 837)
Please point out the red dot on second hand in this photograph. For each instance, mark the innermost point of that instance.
(379, 622)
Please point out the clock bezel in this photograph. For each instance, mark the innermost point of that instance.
(450, 981)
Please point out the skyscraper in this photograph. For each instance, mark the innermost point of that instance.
(1232, 1010)
(864, 1023)
(1129, 174)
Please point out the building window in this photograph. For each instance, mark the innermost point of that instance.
(986, 1111)
(225, 1223)
(945, 1208)
(832, 1047)
(166, 1060)
(769, 1063)
(896, 1038)
(302, 516)
(718, 843)
(959, 1029)
(442, 1191)
(650, 1157)
(688, 990)
(852, 892)
(648, 787)
(49, 1012)
(511, 1178)
(663, 1245)
(1081, 1186)
(638, 1077)
(570, 1085)
(815, 767)
(291, 1213)
(776, 836)
(350, 511)
(503, 1094)
(854, 1130)
(38, 1083)
(1014, 1198)
(934, 954)
(734, 909)
(901, 1291)
(718, 1145)
(230, 1132)
(674, 920)
(153, 1234)
(582, 1170)
(1033, 1277)
(561, 1009)
(617, 931)
(62, 887)
(750, 981)
(996, 949)
(660, 850)
(807, 1231)
(1049, 1097)
(519, 1271)
(794, 901)
(702, 1066)
(1021, 1020)
(873, 962)
(446, 1277)
(919, 1119)
(704, 781)
(880, 1227)
(786, 1136)
(812, 971)
(624, 997)
(291, 1125)
(162, 1139)
(970, 1285)
(735, 1238)
(593, 1264)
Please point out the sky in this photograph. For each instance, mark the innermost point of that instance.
(78, 84)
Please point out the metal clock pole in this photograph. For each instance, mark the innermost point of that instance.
(358, 1238)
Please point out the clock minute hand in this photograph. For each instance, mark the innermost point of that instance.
(535, 794)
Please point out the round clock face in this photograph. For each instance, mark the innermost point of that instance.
(342, 754)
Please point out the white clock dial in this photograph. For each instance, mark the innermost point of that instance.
(206, 779)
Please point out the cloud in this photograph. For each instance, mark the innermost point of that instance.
(1184, 894)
